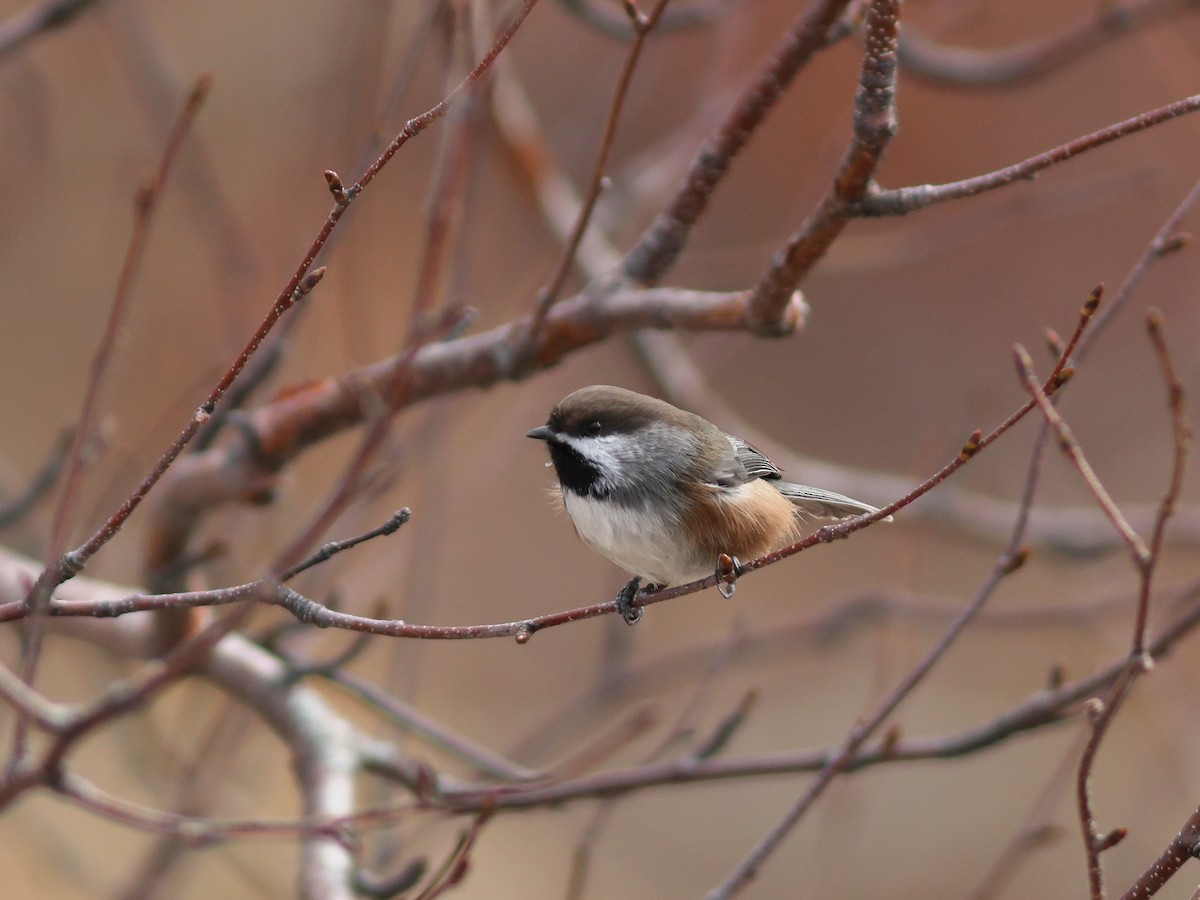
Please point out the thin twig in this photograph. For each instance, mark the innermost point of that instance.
(1009, 561)
(391, 526)
(1005, 67)
(382, 410)
(146, 205)
(682, 730)
(549, 294)
(1070, 447)
(413, 722)
(902, 201)
(1145, 559)
(448, 185)
(454, 868)
(1182, 434)
(875, 123)
(44, 480)
(658, 249)
(1185, 846)
(312, 612)
(301, 281)
(57, 566)
(1039, 710)
(1036, 831)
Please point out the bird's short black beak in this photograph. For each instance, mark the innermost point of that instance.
(541, 433)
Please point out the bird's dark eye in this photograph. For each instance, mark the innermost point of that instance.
(593, 428)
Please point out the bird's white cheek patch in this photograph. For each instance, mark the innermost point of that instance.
(599, 451)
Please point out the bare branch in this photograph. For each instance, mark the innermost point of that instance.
(657, 250)
(1185, 846)
(925, 58)
(44, 480)
(328, 551)
(549, 294)
(301, 281)
(1009, 561)
(875, 123)
(1037, 711)
(902, 201)
(1070, 447)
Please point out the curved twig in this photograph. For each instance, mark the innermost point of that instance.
(925, 58)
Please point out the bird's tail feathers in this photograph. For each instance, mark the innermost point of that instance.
(814, 503)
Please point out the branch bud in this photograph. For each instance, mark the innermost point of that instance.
(340, 196)
(971, 447)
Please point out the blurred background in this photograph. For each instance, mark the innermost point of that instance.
(908, 348)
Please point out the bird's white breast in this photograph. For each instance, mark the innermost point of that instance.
(638, 541)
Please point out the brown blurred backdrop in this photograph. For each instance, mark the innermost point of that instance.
(907, 350)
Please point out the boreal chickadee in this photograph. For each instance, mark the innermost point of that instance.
(665, 494)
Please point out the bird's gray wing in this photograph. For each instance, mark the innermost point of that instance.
(753, 463)
(746, 463)
(809, 501)
(729, 471)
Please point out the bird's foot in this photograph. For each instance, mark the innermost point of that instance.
(630, 613)
(729, 569)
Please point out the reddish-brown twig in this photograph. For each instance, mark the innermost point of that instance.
(657, 250)
(310, 611)
(302, 280)
(548, 295)
(1183, 847)
(57, 566)
(902, 201)
(448, 186)
(145, 208)
(875, 123)
(1038, 711)
(1037, 831)
(391, 526)
(1009, 561)
(1145, 560)
(315, 613)
(1069, 446)
(454, 868)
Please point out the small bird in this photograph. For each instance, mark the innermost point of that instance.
(668, 496)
